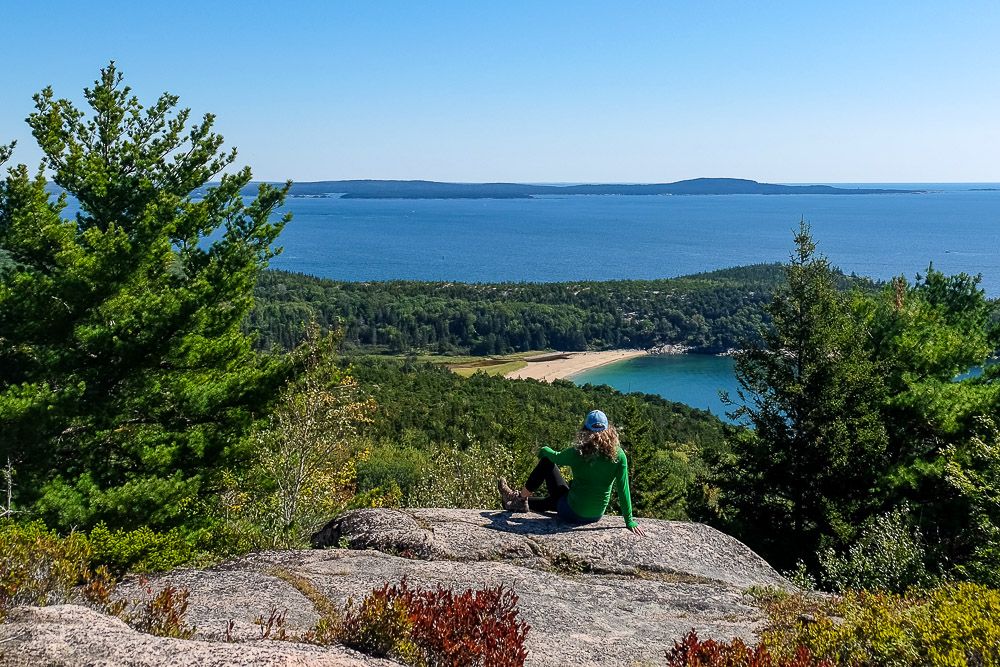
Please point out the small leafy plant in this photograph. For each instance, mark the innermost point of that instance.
(161, 613)
(273, 627)
(889, 556)
(99, 591)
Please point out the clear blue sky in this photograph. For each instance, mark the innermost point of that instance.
(544, 91)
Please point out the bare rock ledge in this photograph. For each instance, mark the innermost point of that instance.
(593, 595)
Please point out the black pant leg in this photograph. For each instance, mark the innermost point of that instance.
(548, 472)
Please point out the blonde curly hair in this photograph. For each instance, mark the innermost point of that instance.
(604, 443)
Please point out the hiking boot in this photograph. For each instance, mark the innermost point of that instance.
(510, 499)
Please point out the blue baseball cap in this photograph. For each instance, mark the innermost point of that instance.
(596, 421)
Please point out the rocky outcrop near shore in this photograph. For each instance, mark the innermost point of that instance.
(593, 595)
(667, 349)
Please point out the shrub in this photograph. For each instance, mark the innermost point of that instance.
(471, 628)
(889, 556)
(954, 624)
(960, 624)
(693, 652)
(381, 625)
(99, 590)
(37, 566)
(861, 628)
(140, 550)
(162, 613)
(438, 627)
(785, 611)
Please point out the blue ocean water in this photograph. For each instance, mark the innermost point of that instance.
(694, 379)
(556, 238)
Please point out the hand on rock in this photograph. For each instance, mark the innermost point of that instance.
(638, 531)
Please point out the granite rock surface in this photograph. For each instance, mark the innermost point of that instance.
(593, 595)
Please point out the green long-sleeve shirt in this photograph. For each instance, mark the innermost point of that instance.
(593, 478)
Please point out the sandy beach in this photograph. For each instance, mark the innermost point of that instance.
(561, 365)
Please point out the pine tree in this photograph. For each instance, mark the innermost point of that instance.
(927, 336)
(811, 394)
(125, 380)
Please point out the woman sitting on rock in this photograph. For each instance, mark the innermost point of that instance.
(598, 463)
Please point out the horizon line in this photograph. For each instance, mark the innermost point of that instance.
(609, 182)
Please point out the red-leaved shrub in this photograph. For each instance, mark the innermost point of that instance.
(162, 613)
(693, 652)
(439, 627)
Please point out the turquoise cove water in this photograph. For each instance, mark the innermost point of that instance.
(694, 379)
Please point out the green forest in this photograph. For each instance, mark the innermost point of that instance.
(708, 312)
(167, 398)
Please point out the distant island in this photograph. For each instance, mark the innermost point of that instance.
(374, 189)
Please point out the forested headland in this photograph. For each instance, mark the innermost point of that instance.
(708, 312)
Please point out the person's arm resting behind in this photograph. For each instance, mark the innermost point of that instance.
(624, 497)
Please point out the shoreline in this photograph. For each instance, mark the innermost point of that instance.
(563, 365)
